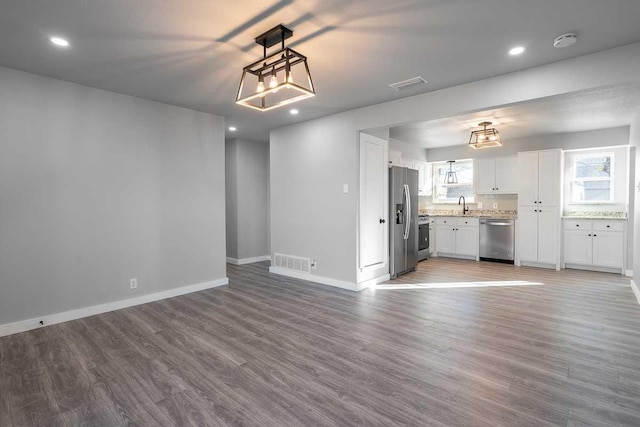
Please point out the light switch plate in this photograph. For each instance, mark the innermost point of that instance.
(479, 205)
(345, 188)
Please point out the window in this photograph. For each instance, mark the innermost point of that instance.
(450, 193)
(591, 180)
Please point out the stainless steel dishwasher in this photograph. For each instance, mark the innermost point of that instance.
(497, 240)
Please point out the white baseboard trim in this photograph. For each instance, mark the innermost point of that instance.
(635, 290)
(373, 282)
(628, 273)
(243, 261)
(316, 279)
(52, 319)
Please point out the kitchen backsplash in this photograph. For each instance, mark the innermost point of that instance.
(484, 202)
(594, 213)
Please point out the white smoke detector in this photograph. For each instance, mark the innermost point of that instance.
(565, 40)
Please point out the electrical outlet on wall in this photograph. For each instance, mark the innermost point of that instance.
(133, 283)
(495, 205)
(479, 205)
(313, 264)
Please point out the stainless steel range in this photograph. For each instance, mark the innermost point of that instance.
(423, 237)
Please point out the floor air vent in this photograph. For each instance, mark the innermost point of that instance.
(294, 263)
(409, 84)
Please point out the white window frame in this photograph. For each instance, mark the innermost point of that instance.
(437, 183)
(576, 158)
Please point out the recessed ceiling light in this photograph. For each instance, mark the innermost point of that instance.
(516, 50)
(293, 111)
(232, 128)
(59, 41)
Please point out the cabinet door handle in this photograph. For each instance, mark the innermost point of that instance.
(608, 226)
(497, 188)
(535, 210)
(589, 235)
(535, 202)
(382, 221)
(577, 225)
(595, 235)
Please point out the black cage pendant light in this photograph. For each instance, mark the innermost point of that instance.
(484, 137)
(450, 177)
(277, 79)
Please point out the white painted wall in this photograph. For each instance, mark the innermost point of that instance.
(97, 188)
(310, 161)
(247, 194)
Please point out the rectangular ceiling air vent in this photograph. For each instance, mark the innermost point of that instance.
(409, 83)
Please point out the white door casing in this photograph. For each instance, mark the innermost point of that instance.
(373, 206)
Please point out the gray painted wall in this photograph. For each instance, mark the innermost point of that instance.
(567, 141)
(231, 197)
(247, 192)
(97, 188)
(409, 151)
(310, 161)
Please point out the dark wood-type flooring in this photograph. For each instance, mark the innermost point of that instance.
(272, 351)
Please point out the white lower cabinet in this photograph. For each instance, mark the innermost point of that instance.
(538, 235)
(466, 241)
(594, 243)
(578, 248)
(457, 237)
(445, 239)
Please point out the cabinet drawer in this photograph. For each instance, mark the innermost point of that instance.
(608, 225)
(457, 221)
(577, 224)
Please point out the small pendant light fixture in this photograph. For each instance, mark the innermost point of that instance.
(485, 138)
(277, 70)
(450, 177)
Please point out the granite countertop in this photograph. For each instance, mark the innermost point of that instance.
(495, 214)
(594, 215)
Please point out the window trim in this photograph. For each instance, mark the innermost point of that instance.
(611, 179)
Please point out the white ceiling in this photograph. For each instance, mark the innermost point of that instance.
(190, 52)
(575, 112)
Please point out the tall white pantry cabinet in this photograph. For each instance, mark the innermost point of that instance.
(539, 208)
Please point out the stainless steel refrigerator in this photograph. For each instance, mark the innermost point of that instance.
(403, 230)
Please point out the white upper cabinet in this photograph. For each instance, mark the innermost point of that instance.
(408, 163)
(507, 175)
(496, 176)
(485, 176)
(425, 175)
(549, 166)
(425, 178)
(539, 178)
(528, 179)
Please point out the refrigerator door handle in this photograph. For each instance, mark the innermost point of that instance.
(408, 211)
